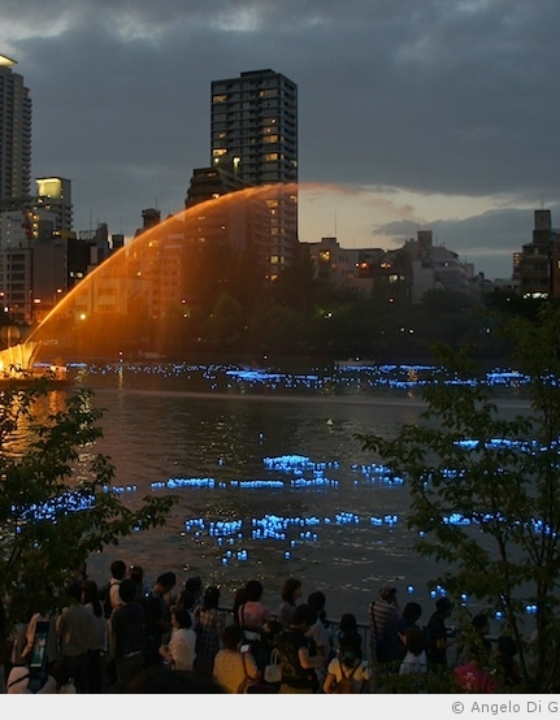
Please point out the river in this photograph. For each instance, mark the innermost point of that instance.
(271, 479)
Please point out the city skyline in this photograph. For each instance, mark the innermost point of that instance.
(442, 118)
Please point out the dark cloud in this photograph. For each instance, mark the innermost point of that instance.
(434, 97)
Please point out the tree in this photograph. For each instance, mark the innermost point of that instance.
(56, 507)
(485, 491)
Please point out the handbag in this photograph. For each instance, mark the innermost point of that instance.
(273, 671)
(251, 686)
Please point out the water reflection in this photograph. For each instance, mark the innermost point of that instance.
(269, 485)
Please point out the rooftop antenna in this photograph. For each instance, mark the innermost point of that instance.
(335, 224)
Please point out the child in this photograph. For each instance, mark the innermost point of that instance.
(347, 673)
(415, 658)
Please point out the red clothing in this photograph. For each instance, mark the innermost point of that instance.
(473, 679)
(253, 615)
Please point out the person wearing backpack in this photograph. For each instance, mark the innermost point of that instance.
(347, 673)
(110, 595)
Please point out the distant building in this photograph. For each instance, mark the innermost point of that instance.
(435, 267)
(538, 266)
(407, 272)
(360, 269)
(254, 124)
(228, 223)
(332, 263)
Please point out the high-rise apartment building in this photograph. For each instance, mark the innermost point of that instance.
(254, 125)
(15, 133)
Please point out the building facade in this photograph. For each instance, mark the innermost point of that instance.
(15, 133)
(254, 125)
(54, 195)
(538, 266)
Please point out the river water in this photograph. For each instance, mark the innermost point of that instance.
(271, 479)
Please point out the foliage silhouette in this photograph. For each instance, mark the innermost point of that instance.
(56, 506)
(485, 491)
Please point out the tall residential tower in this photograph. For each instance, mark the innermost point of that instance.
(254, 126)
(15, 133)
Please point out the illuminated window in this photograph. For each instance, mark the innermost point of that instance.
(219, 152)
(270, 157)
(219, 98)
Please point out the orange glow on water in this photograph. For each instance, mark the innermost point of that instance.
(150, 291)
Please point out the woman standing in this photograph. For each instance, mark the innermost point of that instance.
(209, 628)
(291, 592)
(231, 666)
(97, 647)
(298, 653)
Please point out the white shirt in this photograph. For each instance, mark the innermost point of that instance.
(413, 664)
(182, 648)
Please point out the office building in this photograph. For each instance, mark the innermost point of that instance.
(54, 196)
(15, 133)
(254, 127)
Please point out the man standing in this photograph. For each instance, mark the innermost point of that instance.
(129, 634)
(437, 634)
(383, 616)
(74, 627)
(158, 616)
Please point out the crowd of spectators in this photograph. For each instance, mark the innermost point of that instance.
(130, 637)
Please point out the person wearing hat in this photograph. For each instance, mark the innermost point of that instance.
(438, 635)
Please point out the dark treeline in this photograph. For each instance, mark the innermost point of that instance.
(229, 309)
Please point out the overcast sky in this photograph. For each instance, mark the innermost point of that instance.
(439, 114)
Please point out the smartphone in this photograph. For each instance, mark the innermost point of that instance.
(39, 659)
(245, 648)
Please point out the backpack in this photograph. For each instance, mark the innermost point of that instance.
(345, 684)
(105, 598)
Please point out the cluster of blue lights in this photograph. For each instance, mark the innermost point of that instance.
(52, 509)
(257, 484)
(376, 473)
(176, 483)
(298, 464)
(120, 489)
(294, 531)
(301, 472)
(344, 377)
(390, 520)
(438, 592)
